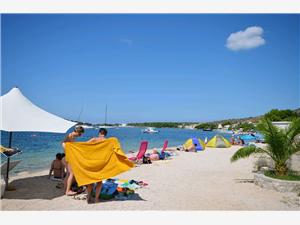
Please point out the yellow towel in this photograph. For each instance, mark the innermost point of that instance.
(93, 162)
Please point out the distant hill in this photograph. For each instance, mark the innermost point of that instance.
(248, 119)
(239, 120)
(254, 119)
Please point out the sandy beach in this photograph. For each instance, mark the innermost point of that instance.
(189, 181)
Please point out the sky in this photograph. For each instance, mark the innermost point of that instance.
(152, 67)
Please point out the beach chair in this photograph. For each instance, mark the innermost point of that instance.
(161, 153)
(165, 145)
(8, 153)
(3, 168)
(12, 165)
(142, 151)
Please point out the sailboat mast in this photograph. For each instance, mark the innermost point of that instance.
(79, 116)
(105, 114)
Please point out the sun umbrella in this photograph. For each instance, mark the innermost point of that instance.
(18, 113)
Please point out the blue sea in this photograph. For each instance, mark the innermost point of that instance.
(39, 149)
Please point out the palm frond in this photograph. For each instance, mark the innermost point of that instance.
(275, 138)
(295, 147)
(293, 130)
(281, 144)
(245, 152)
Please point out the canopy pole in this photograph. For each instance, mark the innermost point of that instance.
(8, 159)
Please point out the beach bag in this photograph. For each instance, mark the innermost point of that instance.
(108, 190)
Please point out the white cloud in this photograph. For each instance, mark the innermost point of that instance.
(246, 39)
(126, 41)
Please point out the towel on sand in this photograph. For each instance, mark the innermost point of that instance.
(94, 162)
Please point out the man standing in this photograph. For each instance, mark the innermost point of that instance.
(102, 136)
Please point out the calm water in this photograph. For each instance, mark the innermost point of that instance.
(39, 149)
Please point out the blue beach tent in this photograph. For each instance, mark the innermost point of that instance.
(200, 146)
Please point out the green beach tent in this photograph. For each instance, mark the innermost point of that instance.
(218, 141)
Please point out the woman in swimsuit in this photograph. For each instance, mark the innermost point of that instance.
(78, 131)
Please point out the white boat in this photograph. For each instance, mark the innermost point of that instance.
(106, 127)
(150, 130)
(87, 127)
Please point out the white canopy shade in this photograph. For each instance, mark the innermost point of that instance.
(19, 114)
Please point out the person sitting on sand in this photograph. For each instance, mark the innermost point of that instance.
(240, 141)
(89, 187)
(232, 140)
(158, 155)
(77, 132)
(192, 148)
(155, 155)
(57, 167)
(63, 161)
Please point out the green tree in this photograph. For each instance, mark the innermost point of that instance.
(281, 144)
(281, 115)
(206, 126)
(246, 126)
(157, 124)
(226, 123)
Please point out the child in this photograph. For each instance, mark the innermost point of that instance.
(57, 167)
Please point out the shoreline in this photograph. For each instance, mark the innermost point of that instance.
(205, 180)
(38, 170)
(41, 148)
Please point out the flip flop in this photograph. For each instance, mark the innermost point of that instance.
(80, 197)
